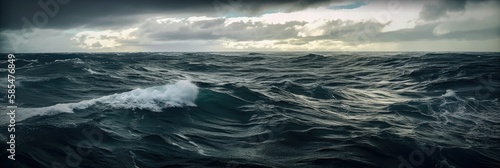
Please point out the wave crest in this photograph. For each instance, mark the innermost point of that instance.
(182, 93)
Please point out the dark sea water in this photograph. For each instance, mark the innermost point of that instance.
(283, 109)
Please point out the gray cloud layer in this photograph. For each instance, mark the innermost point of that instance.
(436, 9)
(115, 16)
(346, 31)
(64, 14)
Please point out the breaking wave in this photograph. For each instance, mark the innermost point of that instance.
(182, 93)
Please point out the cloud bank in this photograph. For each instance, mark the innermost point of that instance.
(232, 25)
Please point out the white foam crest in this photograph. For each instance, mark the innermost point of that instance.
(154, 98)
(74, 60)
(92, 71)
(449, 93)
(182, 93)
(469, 116)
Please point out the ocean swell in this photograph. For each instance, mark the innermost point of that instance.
(156, 98)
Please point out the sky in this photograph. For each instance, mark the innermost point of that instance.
(248, 25)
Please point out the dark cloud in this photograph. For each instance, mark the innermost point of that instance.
(433, 10)
(99, 13)
(180, 27)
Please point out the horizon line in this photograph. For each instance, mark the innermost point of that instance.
(62, 52)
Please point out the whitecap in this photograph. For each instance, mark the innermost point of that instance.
(449, 93)
(182, 93)
(74, 60)
(92, 71)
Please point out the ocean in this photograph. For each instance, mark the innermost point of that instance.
(269, 109)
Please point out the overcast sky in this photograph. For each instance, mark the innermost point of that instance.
(246, 25)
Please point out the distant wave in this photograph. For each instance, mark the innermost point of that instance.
(182, 93)
(254, 53)
(307, 58)
(74, 60)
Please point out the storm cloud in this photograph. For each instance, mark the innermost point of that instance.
(219, 25)
(63, 14)
(436, 9)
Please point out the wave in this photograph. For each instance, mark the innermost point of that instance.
(315, 91)
(55, 81)
(92, 71)
(453, 114)
(254, 53)
(182, 93)
(73, 60)
(308, 57)
(452, 54)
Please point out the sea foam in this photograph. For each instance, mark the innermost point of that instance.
(182, 93)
